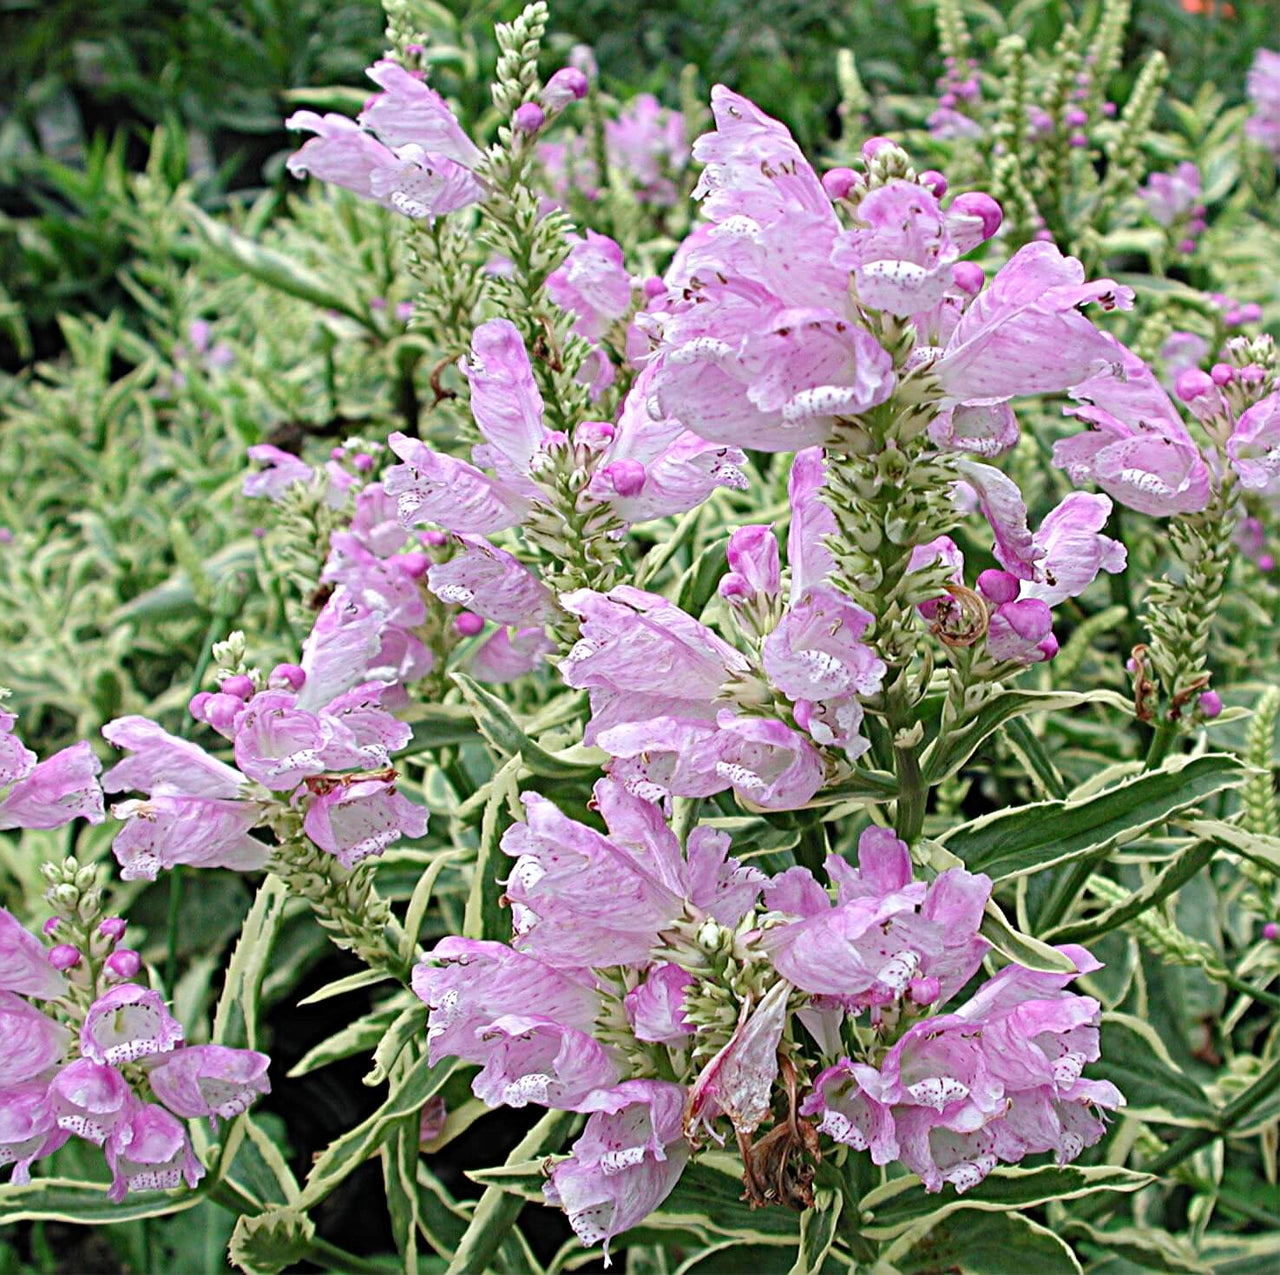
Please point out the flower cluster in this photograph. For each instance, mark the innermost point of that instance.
(1173, 201)
(1264, 94)
(676, 995)
(101, 1058)
(313, 741)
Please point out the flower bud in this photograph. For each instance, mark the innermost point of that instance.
(412, 565)
(998, 586)
(290, 676)
(123, 963)
(1186, 246)
(567, 85)
(1251, 312)
(432, 538)
(924, 991)
(1222, 374)
(64, 956)
(1271, 931)
(969, 277)
(595, 436)
(654, 287)
(1076, 117)
(195, 705)
(626, 477)
(468, 624)
(1210, 704)
(977, 204)
(934, 181)
(753, 556)
(874, 145)
(113, 928)
(363, 462)
(241, 686)
(838, 182)
(1192, 383)
(529, 117)
(51, 925)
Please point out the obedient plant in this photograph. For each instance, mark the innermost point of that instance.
(762, 690)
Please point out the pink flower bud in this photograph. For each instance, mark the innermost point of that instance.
(1186, 246)
(404, 311)
(934, 181)
(626, 477)
(529, 117)
(123, 963)
(337, 453)
(568, 84)
(838, 182)
(113, 928)
(1109, 109)
(654, 287)
(412, 565)
(1251, 312)
(51, 925)
(220, 712)
(1077, 141)
(1197, 226)
(948, 101)
(874, 145)
(1210, 704)
(292, 676)
(1253, 374)
(432, 538)
(1266, 562)
(468, 624)
(195, 705)
(1222, 374)
(998, 586)
(414, 50)
(924, 991)
(377, 304)
(1192, 383)
(64, 956)
(1271, 931)
(241, 686)
(976, 203)
(595, 436)
(363, 462)
(734, 588)
(1043, 236)
(1075, 117)
(1048, 647)
(969, 277)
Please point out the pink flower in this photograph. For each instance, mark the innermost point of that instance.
(1025, 334)
(506, 655)
(150, 1152)
(627, 1161)
(56, 791)
(764, 350)
(655, 1008)
(210, 1080)
(127, 1023)
(1070, 550)
(170, 829)
(1138, 451)
(492, 583)
(33, 1041)
(1254, 446)
(24, 962)
(421, 166)
(647, 143)
(593, 283)
(352, 820)
(1170, 197)
(1264, 94)
(27, 1128)
(89, 1099)
(282, 470)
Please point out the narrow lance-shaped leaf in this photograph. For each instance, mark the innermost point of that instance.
(1027, 839)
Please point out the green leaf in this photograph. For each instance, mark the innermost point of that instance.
(356, 1038)
(400, 1179)
(500, 729)
(1257, 847)
(818, 1232)
(698, 584)
(948, 753)
(1148, 1248)
(276, 270)
(269, 1153)
(409, 1025)
(1154, 1086)
(420, 901)
(355, 1146)
(980, 1243)
(1180, 869)
(484, 917)
(1018, 947)
(903, 1202)
(65, 1200)
(1028, 839)
(235, 1022)
(271, 1242)
(352, 983)
(439, 726)
(496, 1211)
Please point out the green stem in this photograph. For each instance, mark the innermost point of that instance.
(1161, 743)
